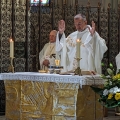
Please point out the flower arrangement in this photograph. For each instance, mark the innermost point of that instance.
(110, 92)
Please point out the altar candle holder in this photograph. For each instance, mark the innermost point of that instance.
(11, 67)
(78, 70)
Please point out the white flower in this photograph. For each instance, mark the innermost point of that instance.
(118, 90)
(108, 76)
(114, 90)
(105, 92)
(111, 90)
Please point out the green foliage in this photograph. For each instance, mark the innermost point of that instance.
(110, 93)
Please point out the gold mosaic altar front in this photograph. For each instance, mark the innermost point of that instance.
(29, 100)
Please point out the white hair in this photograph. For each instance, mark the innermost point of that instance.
(55, 31)
(80, 16)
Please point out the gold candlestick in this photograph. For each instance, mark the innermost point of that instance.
(78, 70)
(11, 67)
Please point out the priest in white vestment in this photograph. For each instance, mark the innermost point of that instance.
(92, 46)
(47, 54)
(117, 58)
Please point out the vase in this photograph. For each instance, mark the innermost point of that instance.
(117, 110)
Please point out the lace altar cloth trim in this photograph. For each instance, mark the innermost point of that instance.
(44, 77)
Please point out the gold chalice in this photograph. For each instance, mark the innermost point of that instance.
(57, 68)
(57, 62)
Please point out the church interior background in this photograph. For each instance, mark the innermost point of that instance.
(29, 27)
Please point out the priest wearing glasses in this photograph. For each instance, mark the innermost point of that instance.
(92, 47)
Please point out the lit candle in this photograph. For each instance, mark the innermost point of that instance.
(11, 48)
(78, 48)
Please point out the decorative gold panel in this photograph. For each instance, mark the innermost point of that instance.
(88, 107)
(29, 100)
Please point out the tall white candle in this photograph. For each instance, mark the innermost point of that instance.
(11, 48)
(78, 48)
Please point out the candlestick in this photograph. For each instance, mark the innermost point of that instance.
(78, 70)
(78, 58)
(78, 48)
(11, 67)
(11, 48)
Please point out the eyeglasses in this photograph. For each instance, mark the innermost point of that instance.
(78, 24)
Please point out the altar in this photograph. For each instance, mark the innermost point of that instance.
(41, 96)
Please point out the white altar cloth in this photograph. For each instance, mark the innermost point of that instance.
(45, 77)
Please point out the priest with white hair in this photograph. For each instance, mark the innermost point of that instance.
(92, 47)
(48, 53)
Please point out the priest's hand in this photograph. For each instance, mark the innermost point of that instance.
(46, 62)
(61, 26)
(93, 72)
(92, 30)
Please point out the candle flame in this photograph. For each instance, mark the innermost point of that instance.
(11, 40)
(78, 40)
